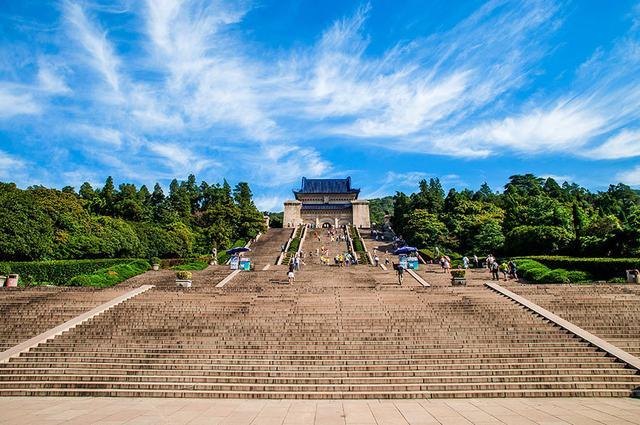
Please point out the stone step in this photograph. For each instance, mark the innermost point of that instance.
(176, 370)
(493, 393)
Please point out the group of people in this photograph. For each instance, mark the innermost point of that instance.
(296, 262)
(376, 259)
(507, 269)
(332, 234)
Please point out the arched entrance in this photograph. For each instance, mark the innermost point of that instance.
(326, 222)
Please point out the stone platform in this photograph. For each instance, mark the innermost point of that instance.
(150, 411)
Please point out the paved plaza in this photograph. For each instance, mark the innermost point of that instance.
(132, 411)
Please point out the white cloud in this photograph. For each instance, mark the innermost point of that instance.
(564, 127)
(50, 82)
(625, 144)
(630, 177)
(180, 159)
(275, 164)
(269, 203)
(101, 55)
(9, 165)
(12, 104)
(558, 178)
(109, 136)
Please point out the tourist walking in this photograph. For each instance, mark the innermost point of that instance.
(291, 277)
(376, 260)
(504, 268)
(446, 265)
(400, 272)
(513, 269)
(475, 261)
(465, 262)
(495, 270)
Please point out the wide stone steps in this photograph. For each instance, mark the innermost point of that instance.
(262, 391)
(307, 373)
(327, 379)
(334, 333)
(350, 395)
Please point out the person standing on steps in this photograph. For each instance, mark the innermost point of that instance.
(400, 271)
(291, 277)
(495, 270)
(376, 261)
(504, 268)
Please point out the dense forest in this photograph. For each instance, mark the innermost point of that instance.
(531, 216)
(39, 223)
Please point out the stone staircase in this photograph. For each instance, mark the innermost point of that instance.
(317, 239)
(335, 333)
(611, 312)
(267, 248)
(27, 313)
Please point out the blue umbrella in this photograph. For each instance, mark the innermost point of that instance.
(405, 250)
(237, 250)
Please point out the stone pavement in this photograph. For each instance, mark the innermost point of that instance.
(85, 411)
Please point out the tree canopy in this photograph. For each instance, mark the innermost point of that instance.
(108, 222)
(533, 215)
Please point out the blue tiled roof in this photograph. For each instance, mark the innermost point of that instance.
(325, 207)
(327, 186)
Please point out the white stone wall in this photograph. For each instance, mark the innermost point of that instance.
(361, 217)
(292, 217)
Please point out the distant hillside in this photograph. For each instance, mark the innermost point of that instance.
(379, 207)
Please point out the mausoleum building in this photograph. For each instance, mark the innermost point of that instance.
(326, 203)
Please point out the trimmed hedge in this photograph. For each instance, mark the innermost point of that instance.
(193, 265)
(59, 272)
(536, 272)
(599, 268)
(111, 276)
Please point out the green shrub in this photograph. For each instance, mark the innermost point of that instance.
(357, 245)
(193, 265)
(183, 275)
(536, 275)
(598, 268)
(155, 260)
(556, 276)
(111, 276)
(5, 269)
(577, 276)
(293, 246)
(59, 272)
(618, 280)
(458, 273)
(537, 272)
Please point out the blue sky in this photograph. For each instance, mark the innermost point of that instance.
(388, 92)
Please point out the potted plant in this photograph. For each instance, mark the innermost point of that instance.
(4, 271)
(458, 277)
(183, 278)
(12, 280)
(155, 263)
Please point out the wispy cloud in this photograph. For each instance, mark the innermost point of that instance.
(10, 165)
(630, 177)
(93, 39)
(181, 88)
(12, 103)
